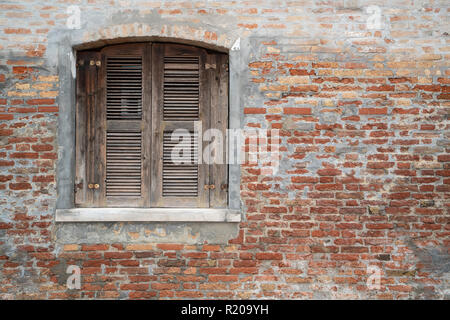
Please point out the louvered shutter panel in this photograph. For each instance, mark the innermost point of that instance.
(89, 118)
(126, 74)
(180, 98)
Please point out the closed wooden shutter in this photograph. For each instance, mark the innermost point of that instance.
(127, 82)
(132, 102)
(218, 91)
(180, 100)
(89, 120)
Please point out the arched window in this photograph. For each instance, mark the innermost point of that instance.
(141, 111)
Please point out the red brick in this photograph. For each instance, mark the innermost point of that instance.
(17, 31)
(373, 111)
(261, 65)
(42, 147)
(20, 186)
(94, 247)
(50, 178)
(297, 111)
(329, 172)
(6, 116)
(254, 110)
(48, 109)
(268, 256)
(24, 155)
(22, 70)
(169, 246)
(34, 102)
(135, 286)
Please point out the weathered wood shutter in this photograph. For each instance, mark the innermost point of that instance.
(127, 81)
(130, 101)
(179, 100)
(218, 91)
(188, 85)
(113, 127)
(89, 119)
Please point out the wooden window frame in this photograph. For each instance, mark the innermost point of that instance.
(146, 210)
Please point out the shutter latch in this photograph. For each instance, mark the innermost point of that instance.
(210, 186)
(93, 186)
(210, 66)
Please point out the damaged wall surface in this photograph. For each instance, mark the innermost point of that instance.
(360, 92)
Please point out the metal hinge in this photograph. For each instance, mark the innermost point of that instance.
(210, 66)
(209, 186)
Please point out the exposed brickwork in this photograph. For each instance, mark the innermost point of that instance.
(364, 178)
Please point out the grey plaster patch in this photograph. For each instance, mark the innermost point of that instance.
(188, 233)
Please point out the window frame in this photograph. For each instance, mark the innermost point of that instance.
(231, 213)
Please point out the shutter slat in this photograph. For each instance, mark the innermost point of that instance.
(124, 88)
(181, 88)
(180, 179)
(123, 164)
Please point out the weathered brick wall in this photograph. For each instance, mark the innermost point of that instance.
(363, 181)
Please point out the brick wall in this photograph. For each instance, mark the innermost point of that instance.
(364, 178)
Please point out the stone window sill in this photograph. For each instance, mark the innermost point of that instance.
(147, 215)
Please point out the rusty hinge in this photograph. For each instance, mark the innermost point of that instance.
(209, 186)
(210, 66)
(224, 186)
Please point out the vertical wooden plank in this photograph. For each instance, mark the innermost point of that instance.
(146, 125)
(205, 115)
(99, 150)
(219, 120)
(81, 188)
(157, 127)
(91, 85)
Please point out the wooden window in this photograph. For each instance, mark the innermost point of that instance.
(132, 101)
